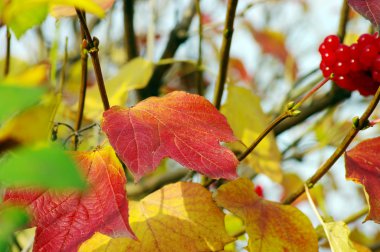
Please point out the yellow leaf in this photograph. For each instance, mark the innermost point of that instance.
(270, 226)
(32, 76)
(64, 11)
(97, 243)
(87, 5)
(338, 234)
(247, 120)
(178, 217)
(135, 74)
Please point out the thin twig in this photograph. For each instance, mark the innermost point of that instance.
(361, 123)
(93, 49)
(200, 60)
(83, 88)
(225, 52)
(129, 32)
(177, 36)
(7, 53)
(356, 216)
(64, 66)
(343, 18)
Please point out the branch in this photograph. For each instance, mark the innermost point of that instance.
(225, 52)
(93, 49)
(199, 62)
(7, 53)
(359, 125)
(129, 32)
(177, 36)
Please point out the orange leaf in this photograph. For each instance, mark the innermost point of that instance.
(182, 126)
(179, 217)
(65, 220)
(363, 166)
(270, 226)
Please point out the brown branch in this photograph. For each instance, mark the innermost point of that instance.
(225, 52)
(362, 123)
(200, 60)
(83, 87)
(177, 36)
(129, 32)
(7, 53)
(93, 49)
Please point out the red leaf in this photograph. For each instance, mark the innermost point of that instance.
(363, 166)
(370, 9)
(65, 220)
(182, 126)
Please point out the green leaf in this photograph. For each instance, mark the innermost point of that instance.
(21, 15)
(11, 219)
(14, 99)
(46, 167)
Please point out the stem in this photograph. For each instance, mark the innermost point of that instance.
(311, 92)
(93, 50)
(7, 53)
(83, 89)
(64, 66)
(356, 216)
(129, 32)
(263, 134)
(199, 62)
(343, 20)
(225, 52)
(362, 123)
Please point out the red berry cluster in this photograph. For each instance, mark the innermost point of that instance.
(355, 67)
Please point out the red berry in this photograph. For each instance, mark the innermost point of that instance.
(376, 75)
(365, 39)
(354, 65)
(326, 70)
(322, 48)
(332, 42)
(341, 68)
(342, 53)
(329, 58)
(259, 191)
(376, 63)
(354, 51)
(344, 82)
(368, 55)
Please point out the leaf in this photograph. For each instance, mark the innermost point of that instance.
(270, 226)
(11, 219)
(247, 124)
(362, 166)
(34, 12)
(178, 217)
(65, 220)
(40, 167)
(59, 11)
(184, 127)
(14, 99)
(339, 237)
(370, 9)
(133, 75)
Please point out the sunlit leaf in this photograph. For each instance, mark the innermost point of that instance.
(14, 99)
(11, 219)
(40, 167)
(339, 237)
(270, 226)
(32, 76)
(65, 220)
(247, 119)
(64, 11)
(178, 217)
(370, 9)
(184, 127)
(362, 166)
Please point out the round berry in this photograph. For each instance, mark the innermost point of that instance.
(329, 58)
(344, 82)
(376, 75)
(341, 68)
(326, 70)
(376, 63)
(322, 48)
(368, 55)
(354, 65)
(354, 51)
(365, 39)
(332, 42)
(342, 53)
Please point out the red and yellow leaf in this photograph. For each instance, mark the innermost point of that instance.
(270, 226)
(182, 126)
(179, 217)
(65, 220)
(363, 166)
(370, 9)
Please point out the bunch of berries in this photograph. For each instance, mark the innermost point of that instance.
(355, 67)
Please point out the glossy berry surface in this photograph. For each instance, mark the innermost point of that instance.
(354, 67)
